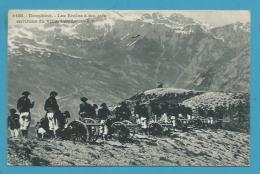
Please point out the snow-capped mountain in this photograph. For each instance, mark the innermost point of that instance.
(114, 56)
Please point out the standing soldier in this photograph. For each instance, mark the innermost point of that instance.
(211, 117)
(13, 123)
(122, 112)
(94, 111)
(52, 108)
(156, 110)
(24, 105)
(141, 112)
(137, 109)
(103, 114)
(85, 109)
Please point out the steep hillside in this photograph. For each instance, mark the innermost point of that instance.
(195, 148)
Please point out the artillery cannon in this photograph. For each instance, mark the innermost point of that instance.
(86, 130)
(158, 127)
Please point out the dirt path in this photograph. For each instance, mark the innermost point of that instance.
(196, 148)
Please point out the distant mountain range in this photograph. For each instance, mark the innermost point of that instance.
(114, 57)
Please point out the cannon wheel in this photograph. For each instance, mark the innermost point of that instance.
(93, 130)
(121, 131)
(182, 126)
(131, 129)
(127, 122)
(197, 123)
(155, 129)
(77, 131)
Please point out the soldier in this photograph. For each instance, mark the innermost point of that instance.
(165, 112)
(24, 105)
(156, 110)
(211, 117)
(94, 111)
(219, 115)
(122, 112)
(201, 112)
(51, 104)
(13, 123)
(42, 127)
(62, 119)
(188, 112)
(144, 117)
(52, 108)
(66, 116)
(137, 109)
(165, 108)
(103, 114)
(85, 109)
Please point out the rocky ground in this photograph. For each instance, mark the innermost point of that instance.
(193, 148)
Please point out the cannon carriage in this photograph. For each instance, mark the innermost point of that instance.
(123, 130)
(89, 130)
(158, 127)
(86, 130)
(199, 123)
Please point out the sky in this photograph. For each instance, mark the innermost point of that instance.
(218, 18)
(214, 18)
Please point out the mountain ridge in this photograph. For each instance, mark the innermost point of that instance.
(110, 64)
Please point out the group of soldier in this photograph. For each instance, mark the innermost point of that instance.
(20, 123)
(54, 119)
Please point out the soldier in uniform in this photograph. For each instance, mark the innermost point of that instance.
(13, 123)
(122, 112)
(94, 111)
(52, 110)
(63, 119)
(42, 127)
(137, 109)
(141, 112)
(85, 109)
(51, 104)
(24, 105)
(103, 114)
(156, 110)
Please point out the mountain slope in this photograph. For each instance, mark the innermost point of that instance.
(195, 148)
(114, 57)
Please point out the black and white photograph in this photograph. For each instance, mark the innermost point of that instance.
(128, 88)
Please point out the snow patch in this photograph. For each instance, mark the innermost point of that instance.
(163, 91)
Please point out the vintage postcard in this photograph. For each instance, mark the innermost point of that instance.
(128, 88)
